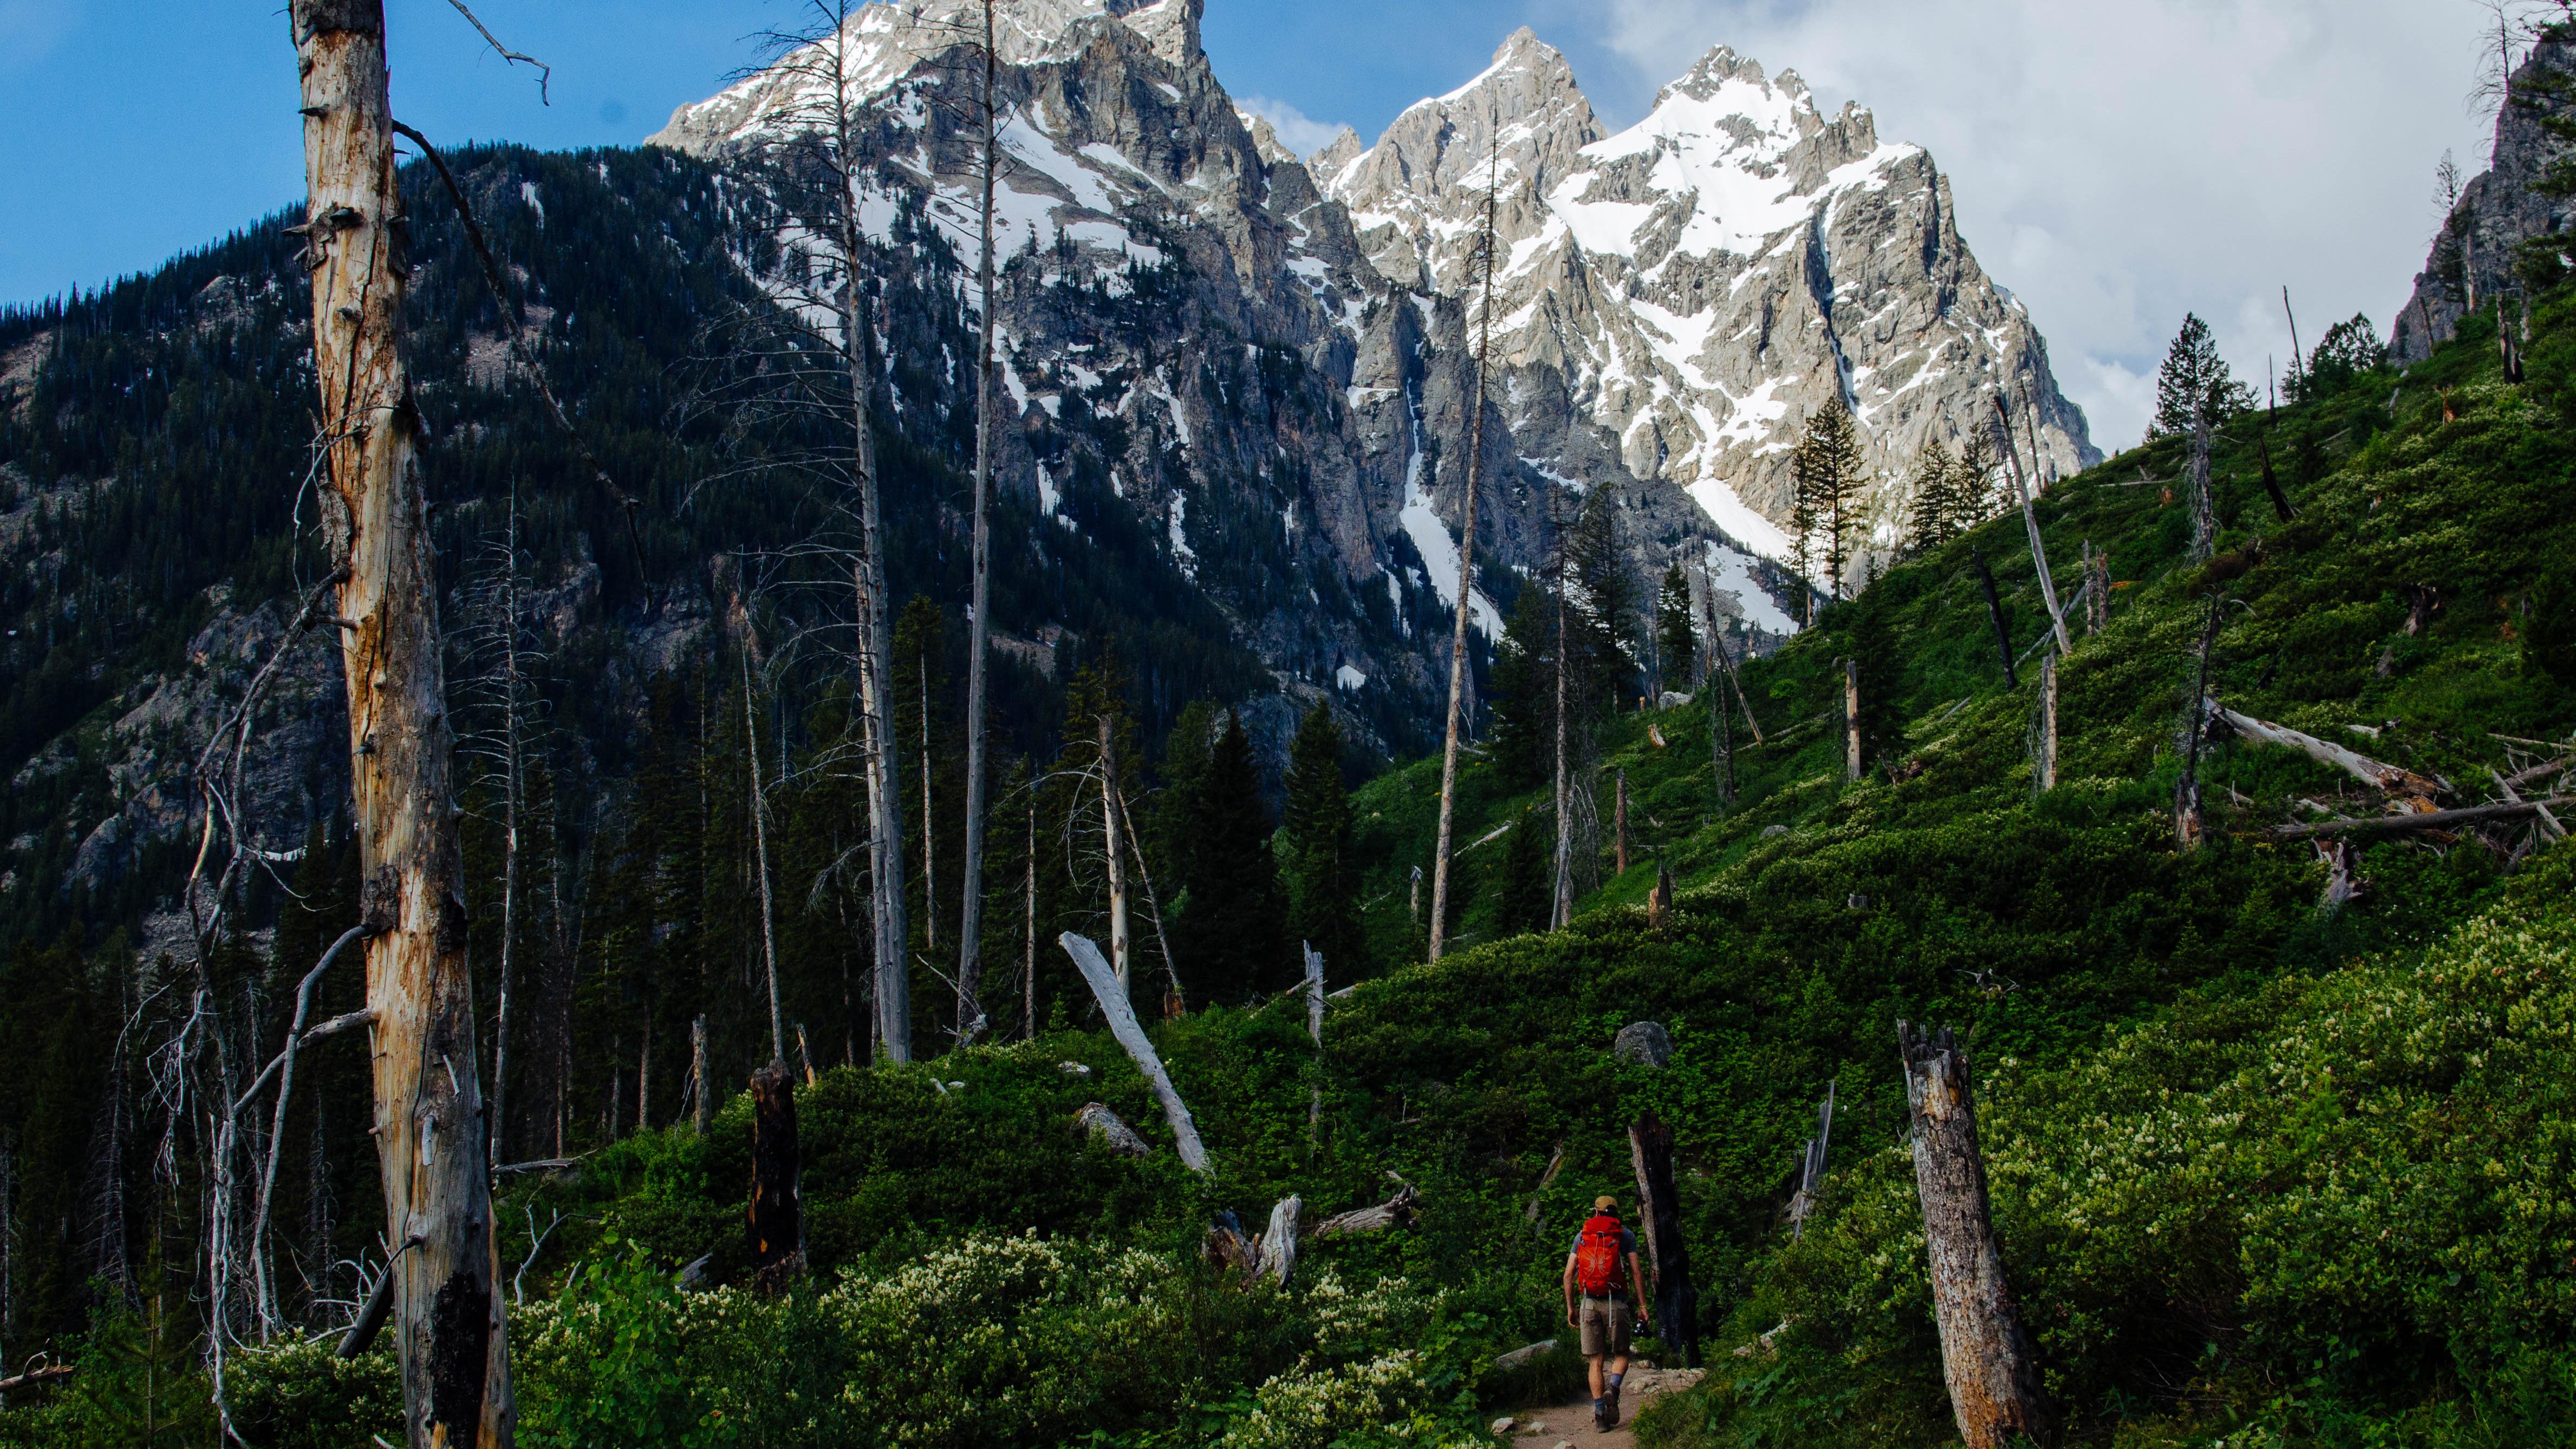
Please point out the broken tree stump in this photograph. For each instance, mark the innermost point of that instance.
(1650, 1150)
(1097, 1120)
(777, 1214)
(1992, 1372)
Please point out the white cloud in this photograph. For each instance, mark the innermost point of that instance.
(1297, 131)
(2118, 164)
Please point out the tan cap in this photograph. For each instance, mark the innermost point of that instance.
(1605, 1204)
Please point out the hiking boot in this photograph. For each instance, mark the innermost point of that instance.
(1609, 1415)
(1601, 1419)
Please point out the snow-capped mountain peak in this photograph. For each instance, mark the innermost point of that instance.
(1703, 281)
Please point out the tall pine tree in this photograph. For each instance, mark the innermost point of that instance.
(1940, 505)
(1831, 473)
(1676, 644)
(1322, 878)
(1228, 937)
(2194, 381)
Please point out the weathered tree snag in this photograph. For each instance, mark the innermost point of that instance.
(1466, 601)
(970, 932)
(2392, 779)
(1851, 720)
(2097, 584)
(1659, 901)
(1619, 814)
(777, 1215)
(2025, 488)
(1650, 1151)
(1275, 1254)
(1811, 1168)
(2187, 820)
(2272, 485)
(1995, 1388)
(2204, 510)
(1555, 1165)
(2048, 721)
(1112, 995)
(705, 1116)
(1119, 962)
(1995, 613)
(430, 1123)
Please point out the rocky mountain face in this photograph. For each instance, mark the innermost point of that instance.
(1675, 301)
(1690, 290)
(1241, 389)
(2502, 207)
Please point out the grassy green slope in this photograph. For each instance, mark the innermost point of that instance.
(2258, 1168)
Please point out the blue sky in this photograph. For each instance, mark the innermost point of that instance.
(2115, 163)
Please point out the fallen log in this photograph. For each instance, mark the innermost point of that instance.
(52, 1373)
(2548, 823)
(1395, 1212)
(2392, 779)
(2409, 824)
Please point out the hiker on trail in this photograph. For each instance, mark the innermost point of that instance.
(1602, 1304)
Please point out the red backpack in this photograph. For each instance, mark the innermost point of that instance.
(1600, 1269)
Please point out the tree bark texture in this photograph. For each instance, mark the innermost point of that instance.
(430, 1124)
(777, 1214)
(1466, 602)
(1120, 963)
(2048, 721)
(1995, 1388)
(1851, 720)
(2204, 511)
(705, 1115)
(1122, 1025)
(1619, 815)
(1650, 1151)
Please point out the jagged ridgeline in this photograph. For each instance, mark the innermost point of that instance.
(2258, 1115)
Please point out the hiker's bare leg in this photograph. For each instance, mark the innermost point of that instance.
(1619, 1368)
(1597, 1361)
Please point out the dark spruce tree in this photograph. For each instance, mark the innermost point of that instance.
(1322, 876)
(1228, 938)
(2194, 382)
(1523, 884)
(1676, 645)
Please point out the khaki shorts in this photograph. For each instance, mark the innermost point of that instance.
(1606, 1324)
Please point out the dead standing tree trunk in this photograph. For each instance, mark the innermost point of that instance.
(777, 1214)
(970, 930)
(1650, 1151)
(1466, 596)
(2204, 510)
(1995, 1388)
(429, 1119)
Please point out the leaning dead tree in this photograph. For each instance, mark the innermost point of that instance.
(1466, 582)
(429, 1120)
(817, 166)
(1112, 995)
(2023, 489)
(1993, 1374)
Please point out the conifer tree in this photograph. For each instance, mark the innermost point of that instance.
(1831, 473)
(1315, 840)
(1939, 501)
(1228, 936)
(1604, 623)
(1523, 689)
(2194, 382)
(1972, 480)
(1675, 643)
(1523, 885)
